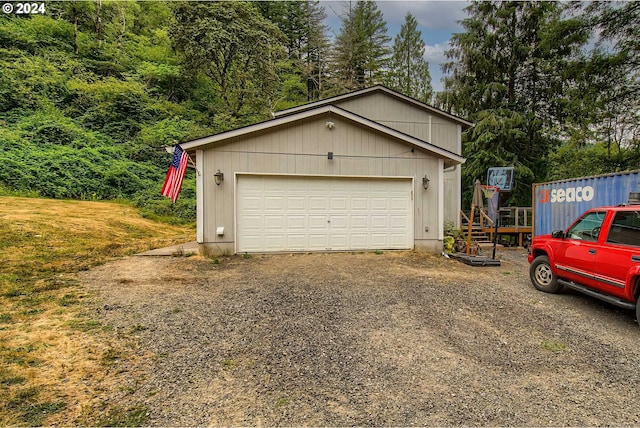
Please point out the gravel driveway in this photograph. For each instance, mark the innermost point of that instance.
(396, 339)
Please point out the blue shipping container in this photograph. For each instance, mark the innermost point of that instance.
(558, 203)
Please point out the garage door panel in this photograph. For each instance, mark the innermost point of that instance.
(273, 241)
(297, 213)
(379, 239)
(399, 222)
(317, 222)
(253, 242)
(359, 241)
(379, 222)
(318, 204)
(253, 203)
(339, 222)
(359, 204)
(318, 242)
(296, 203)
(296, 242)
(274, 203)
(296, 222)
(253, 222)
(359, 222)
(338, 204)
(339, 241)
(379, 204)
(397, 239)
(275, 223)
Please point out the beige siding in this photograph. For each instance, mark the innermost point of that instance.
(414, 121)
(406, 118)
(452, 201)
(301, 148)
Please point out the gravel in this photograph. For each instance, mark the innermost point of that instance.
(400, 338)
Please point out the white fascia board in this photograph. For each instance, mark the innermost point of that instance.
(439, 152)
(252, 128)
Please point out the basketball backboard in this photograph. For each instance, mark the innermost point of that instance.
(501, 177)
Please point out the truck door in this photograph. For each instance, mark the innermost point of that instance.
(576, 256)
(619, 253)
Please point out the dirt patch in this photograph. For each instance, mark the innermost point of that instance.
(363, 339)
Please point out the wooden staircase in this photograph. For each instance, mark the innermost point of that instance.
(480, 240)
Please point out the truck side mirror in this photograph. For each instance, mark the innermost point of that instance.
(558, 234)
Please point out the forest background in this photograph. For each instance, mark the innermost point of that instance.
(91, 92)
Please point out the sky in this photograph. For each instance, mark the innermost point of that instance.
(436, 22)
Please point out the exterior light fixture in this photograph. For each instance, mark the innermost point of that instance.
(425, 182)
(219, 177)
(330, 125)
(330, 155)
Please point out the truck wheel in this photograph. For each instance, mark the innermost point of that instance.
(542, 276)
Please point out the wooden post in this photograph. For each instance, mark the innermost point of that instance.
(473, 209)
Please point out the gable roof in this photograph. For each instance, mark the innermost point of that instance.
(450, 157)
(378, 88)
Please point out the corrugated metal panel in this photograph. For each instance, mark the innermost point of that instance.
(557, 204)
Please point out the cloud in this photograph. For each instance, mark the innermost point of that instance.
(434, 15)
(435, 53)
(437, 20)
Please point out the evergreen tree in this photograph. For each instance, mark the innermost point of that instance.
(408, 70)
(510, 74)
(361, 50)
(234, 46)
(303, 23)
(614, 112)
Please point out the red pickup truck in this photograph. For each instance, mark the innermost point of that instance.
(599, 255)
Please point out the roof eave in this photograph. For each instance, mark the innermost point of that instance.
(450, 157)
(464, 123)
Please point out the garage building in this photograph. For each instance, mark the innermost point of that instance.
(368, 170)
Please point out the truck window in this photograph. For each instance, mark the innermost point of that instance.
(625, 228)
(588, 227)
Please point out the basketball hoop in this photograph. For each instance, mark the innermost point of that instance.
(489, 191)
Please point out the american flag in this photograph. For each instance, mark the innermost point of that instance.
(175, 175)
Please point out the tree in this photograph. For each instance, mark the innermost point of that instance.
(302, 22)
(612, 82)
(361, 49)
(408, 70)
(233, 45)
(511, 73)
(315, 53)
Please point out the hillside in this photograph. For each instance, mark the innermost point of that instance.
(54, 358)
(86, 112)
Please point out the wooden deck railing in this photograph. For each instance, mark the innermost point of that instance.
(514, 221)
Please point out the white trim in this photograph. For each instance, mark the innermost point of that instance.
(440, 199)
(293, 174)
(411, 179)
(459, 182)
(328, 109)
(200, 197)
(235, 213)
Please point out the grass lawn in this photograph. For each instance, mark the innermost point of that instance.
(54, 358)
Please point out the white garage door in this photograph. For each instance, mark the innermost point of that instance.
(295, 213)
